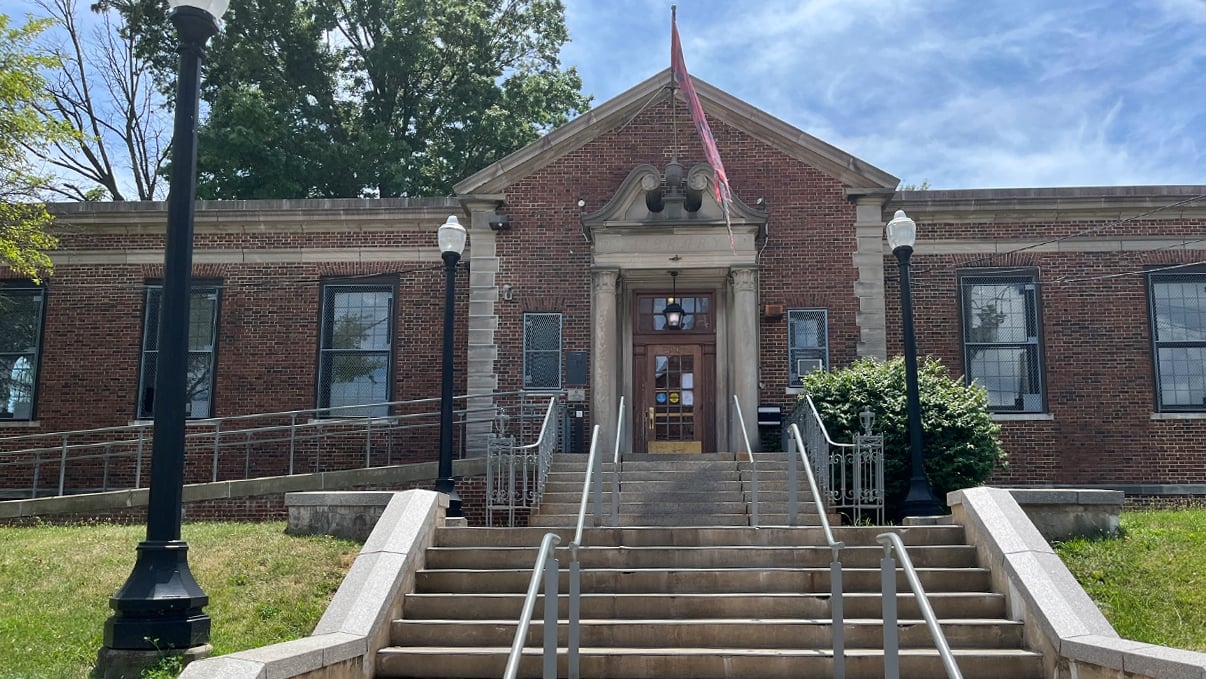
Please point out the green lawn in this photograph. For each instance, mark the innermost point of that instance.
(1151, 582)
(55, 583)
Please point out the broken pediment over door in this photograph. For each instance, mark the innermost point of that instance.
(650, 198)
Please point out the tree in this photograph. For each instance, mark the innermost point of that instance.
(105, 91)
(345, 98)
(24, 126)
(961, 444)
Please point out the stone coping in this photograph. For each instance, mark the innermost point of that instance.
(117, 500)
(356, 623)
(1059, 616)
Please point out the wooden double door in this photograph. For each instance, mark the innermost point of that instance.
(674, 380)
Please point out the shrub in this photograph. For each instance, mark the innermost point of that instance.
(960, 439)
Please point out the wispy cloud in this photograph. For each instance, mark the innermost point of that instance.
(1025, 93)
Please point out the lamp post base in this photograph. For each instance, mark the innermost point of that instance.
(119, 663)
(921, 500)
(160, 607)
(448, 487)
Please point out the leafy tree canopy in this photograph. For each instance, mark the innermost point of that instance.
(347, 98)
(24, 129)
(960, 438)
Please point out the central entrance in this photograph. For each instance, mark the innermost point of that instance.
(674, 375)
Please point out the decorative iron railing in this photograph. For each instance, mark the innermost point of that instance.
(516, 473)
(851, 473)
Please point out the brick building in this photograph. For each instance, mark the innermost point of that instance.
(1080, 309)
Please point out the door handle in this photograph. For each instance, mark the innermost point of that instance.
(650, 418)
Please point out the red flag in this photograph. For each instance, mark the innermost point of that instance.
(678, 70)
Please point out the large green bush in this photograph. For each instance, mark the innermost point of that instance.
(960, 438)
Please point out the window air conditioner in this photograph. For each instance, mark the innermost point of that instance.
(807, 365)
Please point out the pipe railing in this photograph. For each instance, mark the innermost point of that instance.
(892, 542)
(114, 456)
(546, 570)
(836, 602)
(745, 435)
(615, 468)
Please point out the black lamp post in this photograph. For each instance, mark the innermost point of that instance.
(452, 243)
(160, 605)
(920, 501)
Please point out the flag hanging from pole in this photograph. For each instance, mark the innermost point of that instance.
(678, 71)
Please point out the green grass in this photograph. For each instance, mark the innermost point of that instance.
(55, 582)
(1151, 582)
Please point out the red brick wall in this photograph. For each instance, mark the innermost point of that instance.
(1097, 355)
(806, 262)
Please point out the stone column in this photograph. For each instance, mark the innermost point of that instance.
(869, 287)
(481, 351)
(745, 353)
(604, 355)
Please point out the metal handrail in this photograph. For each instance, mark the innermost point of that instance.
(546, 566)
(890, 542)
(541, 445)
(837, 605)
(218, 421)
(529, 464)
(615, 468)
(289, 429)
(749, 451)
(575, 569)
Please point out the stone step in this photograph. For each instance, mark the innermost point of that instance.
(748, 633)
(728, 473)
(677, 504)
(700, 580)
(703, 663)
(946, 605)
(664, 520)
(697, 537)
(949, 556)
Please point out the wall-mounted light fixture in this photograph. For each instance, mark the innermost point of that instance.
(508, 292)
(499, 221)
(673, 310)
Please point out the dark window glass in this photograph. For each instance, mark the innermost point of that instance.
(21, 315)
(807, 343)
(202, 331)
(1001, 340)
(542, 351)
(354, 359)
(1178, 304)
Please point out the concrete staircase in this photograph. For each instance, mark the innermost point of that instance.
(687, 591)
(712, 489)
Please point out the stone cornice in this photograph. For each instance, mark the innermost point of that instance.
(258, 216)
(993, 206)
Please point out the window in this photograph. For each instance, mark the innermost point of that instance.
(356, 346)
(542, 351)
(1178, 309)
(1001, 340)
(202, 331)
(21, 315)
(807, 343)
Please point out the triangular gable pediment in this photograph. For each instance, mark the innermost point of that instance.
(849, 170)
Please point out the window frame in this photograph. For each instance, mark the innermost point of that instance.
(1033, 345)
(794, 378)
(25, 287)
(1197, 275)
(197, 287)
(322, 399)
(559, 351)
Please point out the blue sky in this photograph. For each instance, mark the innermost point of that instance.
(960, 94)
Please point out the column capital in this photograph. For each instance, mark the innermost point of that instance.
(745, 279)
(604, 280)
